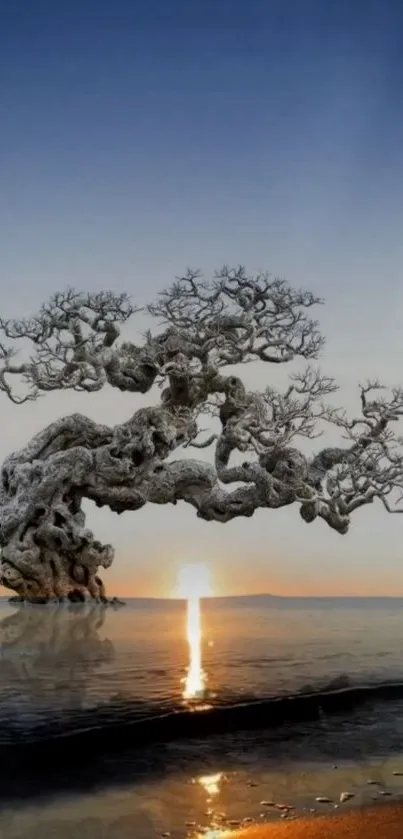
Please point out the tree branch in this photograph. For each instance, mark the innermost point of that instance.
(48, 552)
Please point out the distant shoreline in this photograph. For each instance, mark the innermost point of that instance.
(4, 598)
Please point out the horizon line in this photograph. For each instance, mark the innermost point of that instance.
(262, 595)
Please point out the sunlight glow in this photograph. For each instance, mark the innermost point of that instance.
(211, 783)
(195, 679)
(194, 582)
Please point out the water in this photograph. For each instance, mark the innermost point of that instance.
(65, 670)
(128, 709)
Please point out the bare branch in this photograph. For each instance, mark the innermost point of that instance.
(46, 549)
(7, 368)
(236, 318)
(372, 466)
(72, 337)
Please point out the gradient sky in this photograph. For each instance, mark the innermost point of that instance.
(139, 138)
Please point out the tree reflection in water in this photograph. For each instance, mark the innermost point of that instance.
(47, 657)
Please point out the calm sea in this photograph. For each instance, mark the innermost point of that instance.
(92, 699)
(67, 669)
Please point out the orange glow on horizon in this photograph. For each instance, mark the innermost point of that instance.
(348, 590)
(238, 579)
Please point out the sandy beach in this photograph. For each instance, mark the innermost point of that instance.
(382, 822)
(271, 805)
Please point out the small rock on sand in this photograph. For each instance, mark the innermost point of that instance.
(267, 803)
(397, 773)
(345, 796)
(322, 799)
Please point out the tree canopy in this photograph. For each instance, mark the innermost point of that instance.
(204, 332)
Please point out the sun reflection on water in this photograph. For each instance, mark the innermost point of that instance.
(211, 783)
(194, 583)
(195, 681)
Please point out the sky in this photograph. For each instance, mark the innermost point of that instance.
(139, 138)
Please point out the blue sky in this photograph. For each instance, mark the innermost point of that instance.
(141, 137)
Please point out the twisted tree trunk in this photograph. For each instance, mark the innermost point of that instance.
(47, 552)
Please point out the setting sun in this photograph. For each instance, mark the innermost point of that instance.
(194, 582)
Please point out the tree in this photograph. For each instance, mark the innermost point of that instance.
(205, 329)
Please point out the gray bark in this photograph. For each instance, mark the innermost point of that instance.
(47, 552)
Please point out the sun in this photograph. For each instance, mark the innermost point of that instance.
(194, 582)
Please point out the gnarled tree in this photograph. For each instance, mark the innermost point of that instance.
(204, 330)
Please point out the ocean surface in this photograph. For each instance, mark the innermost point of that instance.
(157, 667)
(95, 699)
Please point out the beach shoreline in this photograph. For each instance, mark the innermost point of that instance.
(294, 801)
(76, 674)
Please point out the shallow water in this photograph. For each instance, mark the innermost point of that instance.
(191, 794)
(62, 668)
(126, 688)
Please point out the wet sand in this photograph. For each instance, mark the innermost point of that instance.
(293, 800)
(382, 822)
